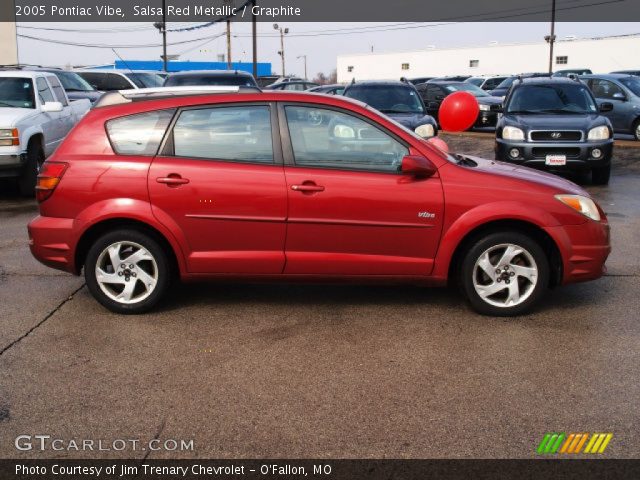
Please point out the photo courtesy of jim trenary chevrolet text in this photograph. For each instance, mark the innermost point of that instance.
(287, 239)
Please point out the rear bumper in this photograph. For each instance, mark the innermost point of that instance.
(584, 249)
(52, 242)
(533, 154)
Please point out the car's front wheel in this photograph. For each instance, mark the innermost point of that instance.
(504, 273)
(127, 271)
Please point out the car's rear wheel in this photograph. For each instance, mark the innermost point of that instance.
(127, 271)
(636, 129)
(29, 176)
(601, 175)
(504, 273)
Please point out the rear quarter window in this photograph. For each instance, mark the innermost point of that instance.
(139, 134)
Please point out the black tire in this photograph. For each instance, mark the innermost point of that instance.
(533, 290)
(29, 176)
(601, 175)
(162, 270)
(636, 129)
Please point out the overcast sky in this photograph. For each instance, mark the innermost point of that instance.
(321, 50)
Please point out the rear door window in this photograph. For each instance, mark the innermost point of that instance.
(44, 92)
(58, 91)
(139, 134)
(234, 134)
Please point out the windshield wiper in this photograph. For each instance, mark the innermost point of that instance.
(5, 104)
(516, 112)
(465, 161)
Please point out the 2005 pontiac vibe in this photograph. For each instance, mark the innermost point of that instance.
(230, 182)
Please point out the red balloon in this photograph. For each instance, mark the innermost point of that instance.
(439, 143)
(458, 112)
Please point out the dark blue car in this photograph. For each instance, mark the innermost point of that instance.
(555, 124)
(398, 100)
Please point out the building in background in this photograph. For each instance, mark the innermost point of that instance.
(8, 44)
(601, 55)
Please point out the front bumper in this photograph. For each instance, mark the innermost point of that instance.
(52, 242)
(584, 249)
(486, 119)
(11, 165)
(533, 154)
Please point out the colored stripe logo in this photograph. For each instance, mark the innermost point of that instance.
(573, 443)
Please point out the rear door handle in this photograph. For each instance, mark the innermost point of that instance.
(173, 180)
(307, 188)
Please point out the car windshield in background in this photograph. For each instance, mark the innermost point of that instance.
(632, 83)
(506, 83)
(476, 81)
(551, 99)
(388, 99)
(145, 80)
(17, 93)
(72, 82)
(466, 87)
(210, 80)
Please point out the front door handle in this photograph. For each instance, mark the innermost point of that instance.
(172, 180)
(307, 188)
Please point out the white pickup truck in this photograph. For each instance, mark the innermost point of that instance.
(35, 116)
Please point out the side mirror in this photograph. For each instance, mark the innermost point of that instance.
(52, 107)
(417, 166)
(606, 107)
(619, 96)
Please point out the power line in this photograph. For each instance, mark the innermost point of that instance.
(91, 45)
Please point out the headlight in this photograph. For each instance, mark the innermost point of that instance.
(484, 108)
(425, 131)
(599, 133)
(512, 133)
(580, 204)
(344, 131)
(9, 137)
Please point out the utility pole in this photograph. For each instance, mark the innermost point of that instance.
(552, 38)
(283, 32)
(305, 64)
(229, 44)
(254, 35)
(162, 28)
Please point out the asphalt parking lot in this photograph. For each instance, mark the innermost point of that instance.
(315, 371)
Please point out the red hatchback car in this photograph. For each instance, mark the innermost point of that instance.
(289, 186)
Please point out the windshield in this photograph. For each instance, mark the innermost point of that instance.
(388, 98)
(145, 80)
(632, 83)
(72, 82)
(565, 98)
(17, 93)
(466, 87)
(475, 81)
(210, 80)
(506, 83)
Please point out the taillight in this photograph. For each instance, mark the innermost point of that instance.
(48, 179)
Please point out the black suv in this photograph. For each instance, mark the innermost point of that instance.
(399, 100)
(555, 124)
(200, 78)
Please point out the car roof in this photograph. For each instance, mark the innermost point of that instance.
(111, 70)
(25, 73)
(381, 83)
(124, 98)
(607, 76)
(217, 73)
(543, 80)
